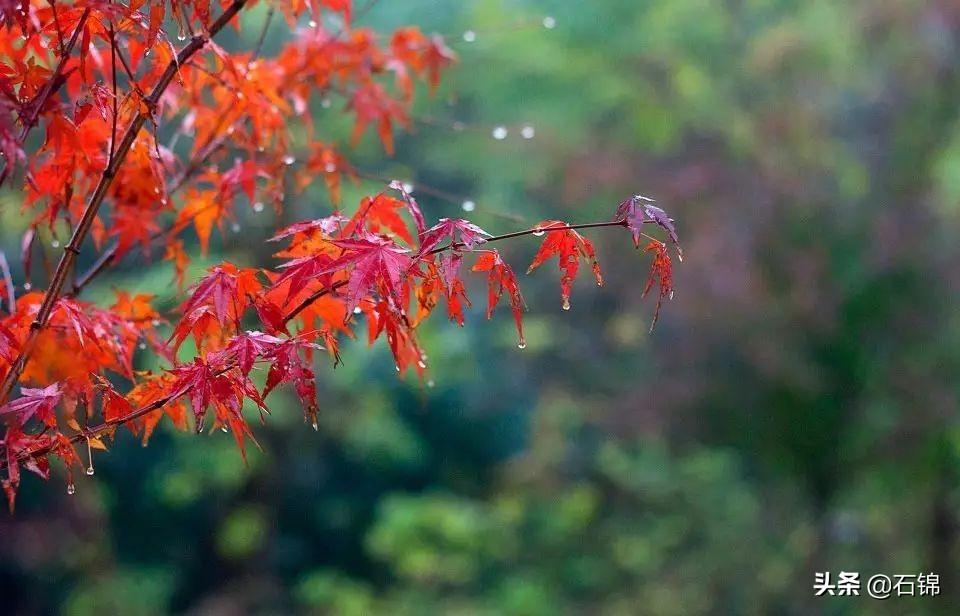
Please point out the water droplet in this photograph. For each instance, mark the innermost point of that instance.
(181, 37)
(315, 426)
(71, 489)
(357, 310)
(289, 160)
(469, 36)
(549, 22)
(522, 343)
(142, 346)
(500, 133)
(397, 367)
(55, 243)
(469, 206)
(90, 470)
(146, 53)
(537, 231)
(231, 130)
(325, 103)
(312, 24)
(408, 187)
(422, 364)
(27, 286)
(528, 132)
(566, 303)
(430, 383)
(258, 206)
(235, 227)
(330, 167)
(224, 429)
(155, 322)
(671, 294)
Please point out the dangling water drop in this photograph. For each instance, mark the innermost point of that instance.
(528, 132)
(422, 364)
(330, 167)
(235, 227)
(566, 303)
(90, 470)
(408, 187)
(671, 294)
(500, 133)
(224, 429)
(397, 366)
(357, 310)
(312, 24)
(469, 206)
(537, 231)
(71, 489)
(27, 286)
(289, 160)
(315, 426)
(430, 383)
(549, 22)
(522, 344)
(469, 36)
(181, 36)
(258, 207)
(142, 346)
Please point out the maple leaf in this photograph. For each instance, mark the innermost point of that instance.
(377, 264)
(372, 105)
(661, 273)
(8, 345)
(221, 296)
(568, 246)
(500, 278)
(379, 213)
(638, 210)
(37, 403)
(459, 232)
(290, 367)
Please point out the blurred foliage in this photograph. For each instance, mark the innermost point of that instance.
(795, 410)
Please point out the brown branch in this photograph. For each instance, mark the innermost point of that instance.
(93, 431)
(72, 249)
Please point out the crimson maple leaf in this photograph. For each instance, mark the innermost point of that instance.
(638, 210)
(661, 273)
(378, 264)
(500, 278)
(568, 246)
(35, 402)
(457, 231)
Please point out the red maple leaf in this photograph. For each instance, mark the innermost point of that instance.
(500, 278)
(38, 403)
(378, 264)
(568, 246)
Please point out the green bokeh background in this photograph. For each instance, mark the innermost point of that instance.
(794, 411)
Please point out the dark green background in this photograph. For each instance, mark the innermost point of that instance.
(794, 411)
